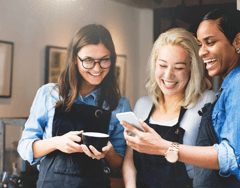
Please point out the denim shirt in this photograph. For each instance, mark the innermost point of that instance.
(226, 122)
(39, 123)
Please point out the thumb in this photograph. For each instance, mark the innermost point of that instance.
(145, 126)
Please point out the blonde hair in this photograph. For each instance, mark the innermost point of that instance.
(197, 84)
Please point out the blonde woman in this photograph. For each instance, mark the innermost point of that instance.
(177, 90)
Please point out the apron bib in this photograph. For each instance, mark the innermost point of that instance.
(204, 177)
(154, 171)
(75, 170)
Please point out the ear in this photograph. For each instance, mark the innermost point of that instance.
(236, 41)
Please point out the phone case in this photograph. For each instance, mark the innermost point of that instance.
(130, 118)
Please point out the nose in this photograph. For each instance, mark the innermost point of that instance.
(97, 66)
(202, 51)
(169, 72)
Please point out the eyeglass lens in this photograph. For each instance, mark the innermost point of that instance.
(89, 63)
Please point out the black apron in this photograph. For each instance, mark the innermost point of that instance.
(154, 171)
(75, 170)
(203, 177)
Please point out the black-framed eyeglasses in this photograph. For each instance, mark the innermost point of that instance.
(89, 63)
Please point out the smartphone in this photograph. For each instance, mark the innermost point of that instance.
(130, 118)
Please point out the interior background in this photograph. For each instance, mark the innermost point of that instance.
(33, 24)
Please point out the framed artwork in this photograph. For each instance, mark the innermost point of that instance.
(55, 59)
(11, 131)
(120, 72)
(6, 66)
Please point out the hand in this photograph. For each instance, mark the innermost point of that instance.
(66, 143)
(149, 142)
(95, 154)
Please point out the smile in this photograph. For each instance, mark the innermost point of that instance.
(95, 74)
(210, 60)
(169, 84)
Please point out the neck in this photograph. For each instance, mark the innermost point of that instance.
(171, 103)
(86, 89)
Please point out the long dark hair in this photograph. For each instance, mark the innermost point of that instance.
(228, 21)
(70, 78)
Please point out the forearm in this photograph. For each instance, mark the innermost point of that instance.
(114, 160)
(201, 156)
(129, 170)
(44, 147)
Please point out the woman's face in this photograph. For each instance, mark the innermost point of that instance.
(172, 70)
(215, 49)
(94, 76)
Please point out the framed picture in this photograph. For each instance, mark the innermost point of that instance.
(6, 66)
(120, 72)
(11, 131)
(55, 59)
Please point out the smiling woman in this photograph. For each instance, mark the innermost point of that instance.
(216, 49)
(178, 89)
(216, 156)
(86, 98)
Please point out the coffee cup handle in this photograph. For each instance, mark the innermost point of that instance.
(80, 135)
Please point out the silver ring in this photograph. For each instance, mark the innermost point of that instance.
(94, 157)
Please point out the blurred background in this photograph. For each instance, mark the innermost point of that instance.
(32, 26)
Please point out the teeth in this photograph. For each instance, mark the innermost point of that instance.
(209, 61)
(169, 83)
(95, 74)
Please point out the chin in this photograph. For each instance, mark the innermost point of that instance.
(213, 73)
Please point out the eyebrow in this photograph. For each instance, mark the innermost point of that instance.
(97, 58)
(206, 38)
(175, 63)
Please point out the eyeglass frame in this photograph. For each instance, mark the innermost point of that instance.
(94, 60)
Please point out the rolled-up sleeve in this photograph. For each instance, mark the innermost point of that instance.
(34, 126)
(227, 160)
(116, 129)
(227, 127)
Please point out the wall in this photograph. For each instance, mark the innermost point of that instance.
(33, 24)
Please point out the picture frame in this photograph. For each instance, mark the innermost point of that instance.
(6, 68)
(120, 73)
(11, 130)
(55, 59)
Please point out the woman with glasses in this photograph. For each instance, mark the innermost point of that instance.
(87, 99)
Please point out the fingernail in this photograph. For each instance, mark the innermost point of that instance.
(141, 120)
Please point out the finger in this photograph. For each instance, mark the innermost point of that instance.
(106, 148)
(144, 126)
(129, 138)
(76, 132)
(76, 138)
(94, 150)
(126, 133)
(87, 151)
(130, 127)
(75, 147)
(98, 155)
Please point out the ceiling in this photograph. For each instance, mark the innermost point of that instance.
(154, 4)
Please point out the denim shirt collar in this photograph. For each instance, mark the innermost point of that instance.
(227, 80)
(92, 95)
